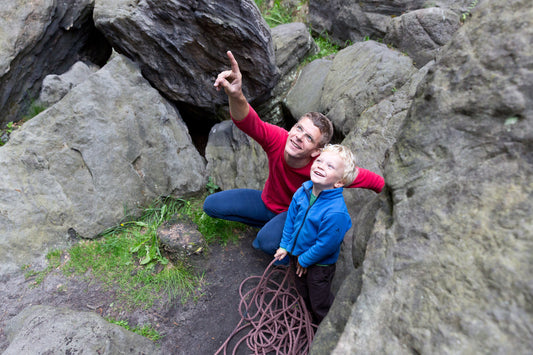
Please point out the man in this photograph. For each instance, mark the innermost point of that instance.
(290, 156)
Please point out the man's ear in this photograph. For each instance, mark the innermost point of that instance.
(315, 153)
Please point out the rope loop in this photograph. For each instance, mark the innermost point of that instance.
(274, 318)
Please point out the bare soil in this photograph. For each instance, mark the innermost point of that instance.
(197, 326)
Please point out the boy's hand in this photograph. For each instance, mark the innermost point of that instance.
(280, 254)
(300, 270)
(230, 80)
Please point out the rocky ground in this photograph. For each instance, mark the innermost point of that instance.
(197, 327)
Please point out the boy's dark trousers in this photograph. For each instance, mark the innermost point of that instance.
(315, 288)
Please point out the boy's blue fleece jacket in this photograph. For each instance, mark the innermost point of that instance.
(315, 233)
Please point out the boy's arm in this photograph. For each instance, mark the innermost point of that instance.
(330, 235)
(366, 179)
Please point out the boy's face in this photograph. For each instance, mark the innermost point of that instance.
(303, 140)
(327, 171)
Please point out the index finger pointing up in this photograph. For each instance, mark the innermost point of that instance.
(234, 64)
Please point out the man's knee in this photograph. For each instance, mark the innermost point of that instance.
(267, 241)
(209, 206)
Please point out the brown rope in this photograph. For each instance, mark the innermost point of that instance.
(274, 317)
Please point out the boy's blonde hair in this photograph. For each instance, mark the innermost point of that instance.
(349, 159)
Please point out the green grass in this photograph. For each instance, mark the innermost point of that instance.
(37, 277)
(128, 259)
(276, 12)
(119, 259)
(33, 111)
(214, 230)
(468, 13)
(145, 330)
(326, 47)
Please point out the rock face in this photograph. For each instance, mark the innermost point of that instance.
(360, 76)
(347, 21)
(51, 330)
(181, 45)
(422, 33)
(306, 92)
(234, 159)
(448, 267)
(56, 86)
(40, 38)
(292, 44)
(112, 142)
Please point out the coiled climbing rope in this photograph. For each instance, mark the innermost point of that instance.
(274, 318)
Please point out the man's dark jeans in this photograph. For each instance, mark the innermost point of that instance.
(246, 206)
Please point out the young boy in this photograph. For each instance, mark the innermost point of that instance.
(316, 223)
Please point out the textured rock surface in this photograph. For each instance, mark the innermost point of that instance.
(347, 21)
(360, 76)
(439, 262)
(112, 142)
(181, 239)
(292, 44)
(448, 267)
(56, 86)
(54, 330)
(422, 33)
(306, 93)
(38, 38)
(180, 46)
(234, 159)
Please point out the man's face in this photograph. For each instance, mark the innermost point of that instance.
(303, 140)
(327, 171)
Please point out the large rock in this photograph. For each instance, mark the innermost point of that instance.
(52, 330)
(422, 33)
(360, 76)
(38, 38)
(234, 159)
(374, 134)
(306, 92)
(55, 86)
(112, 143)
(448, 266)
(292, 44)
(181, 45)
(347, 21)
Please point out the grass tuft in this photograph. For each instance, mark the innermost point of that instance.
(278, 12)
(145, 330)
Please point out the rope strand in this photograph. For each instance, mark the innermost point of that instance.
(273, 315)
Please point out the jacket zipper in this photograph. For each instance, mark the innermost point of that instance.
(301, 226)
